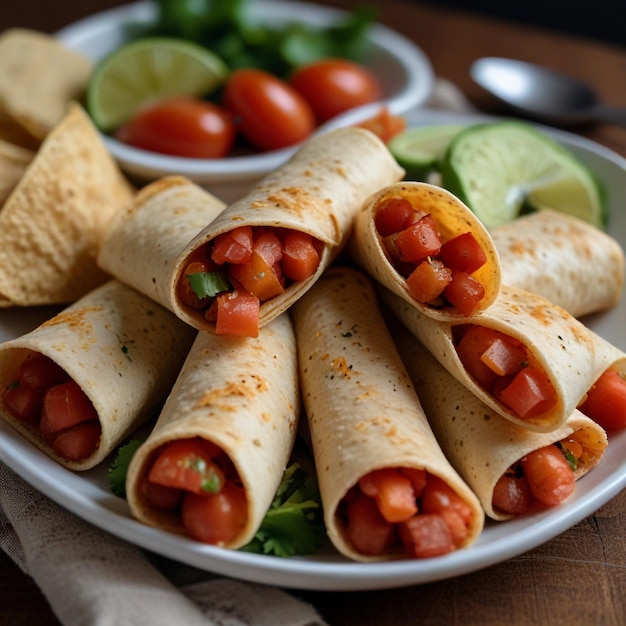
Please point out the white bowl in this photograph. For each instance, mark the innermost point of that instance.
(404, 71)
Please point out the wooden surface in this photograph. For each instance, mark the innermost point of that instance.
(580, 576)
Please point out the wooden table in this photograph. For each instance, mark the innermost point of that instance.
(578, 577)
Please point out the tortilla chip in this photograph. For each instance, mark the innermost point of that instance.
(39, 77)
(13, 163)
(53, 222)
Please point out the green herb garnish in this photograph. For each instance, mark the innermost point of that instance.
(119, 467)
(294, 522)
(208, 284)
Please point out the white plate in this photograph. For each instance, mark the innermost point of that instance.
(88, 496)
(403, 69)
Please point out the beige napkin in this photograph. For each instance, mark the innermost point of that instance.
(91, 578)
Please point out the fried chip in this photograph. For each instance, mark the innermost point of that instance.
(13, 163)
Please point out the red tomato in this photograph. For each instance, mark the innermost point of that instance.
(269, 112)
(606, 400)
(65, 406)
(185, 127)
(332, 86)
(215, 518)
(550, 478)
(77, 442)
(366, 529)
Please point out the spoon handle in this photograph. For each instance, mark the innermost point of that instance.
(612, 115)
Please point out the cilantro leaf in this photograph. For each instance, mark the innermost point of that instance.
(208, 284)
(119, 467)
(294, 523)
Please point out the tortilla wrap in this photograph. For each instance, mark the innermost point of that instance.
(363, 412)
(555, 341)
(241, 394)
(562, 258)
(120, 347)
(452, 218)
(318, 191)
(39, 77)
(142, 244)
(52, 223)
(478, 442)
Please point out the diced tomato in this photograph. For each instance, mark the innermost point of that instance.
(464, 293)
(393, 493)
(188, 464)
(428, 280)
(511, 494)
(234, 246)
(215, 518)
(457, 527)
(77, 442)
(237, 314)
(474, 342)
(384, 124)
(438, 497)
(529, 394)
(161, 497)
(300, 258)
(550, 477)
(426, 535)
(417, 478)
(504, 357)
(41, 372)
(269, 246)
(393, 215)
(463, 253)
(256, 277)
(416, 242)
(606, 400)
(23, 403)
(366, 529)
(64, 406)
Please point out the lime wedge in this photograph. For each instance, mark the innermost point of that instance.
(419, 150)
(148, 70)
(500, 168)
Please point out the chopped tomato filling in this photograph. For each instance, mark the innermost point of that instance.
(606, 400)
(404, 510)
(544, 475)
(501, 366)
(229, 277)
(438, 272)
(46, 398)
(196, 480)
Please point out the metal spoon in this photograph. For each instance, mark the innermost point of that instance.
(542, 93)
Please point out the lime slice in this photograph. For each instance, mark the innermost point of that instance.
(498, 169)
(148, 70)
(419, 150)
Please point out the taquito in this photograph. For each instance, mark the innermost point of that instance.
(143, 241)
(546, 363)
(483, 446)
(368, 430)
(569, 261)
(315, 195)
(407, 257)
(108, 360)
(238, 398)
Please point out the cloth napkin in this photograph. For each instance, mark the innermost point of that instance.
(92, 578)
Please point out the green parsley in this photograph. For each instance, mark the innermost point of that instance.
(294, 524)
(119, 467)
(208, 284)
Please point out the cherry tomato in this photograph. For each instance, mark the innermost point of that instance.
(181, 126)
(270, 113)
(332, 86)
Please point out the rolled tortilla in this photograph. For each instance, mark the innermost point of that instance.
(318, 191)
(242, 395)
(569, 261)
(121, 348)
(142, 244)
(53, 221)
(555, 342)
(479, 443)
(363, 412)
(452, 218)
